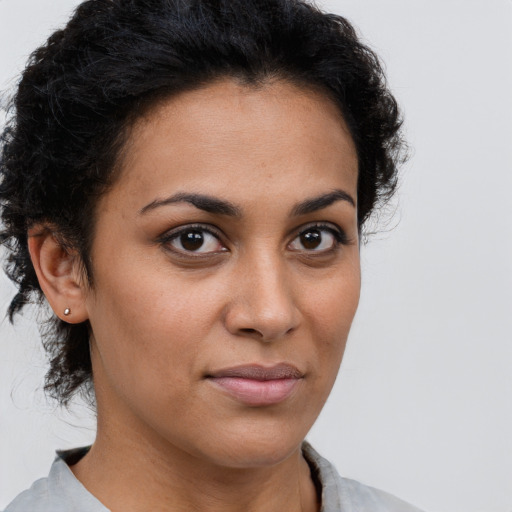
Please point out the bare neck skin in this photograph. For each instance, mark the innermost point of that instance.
(126, 471)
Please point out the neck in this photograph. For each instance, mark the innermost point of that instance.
(125, 471)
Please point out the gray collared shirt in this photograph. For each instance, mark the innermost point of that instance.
(60, 491)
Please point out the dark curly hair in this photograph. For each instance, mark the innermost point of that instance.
(82, 91)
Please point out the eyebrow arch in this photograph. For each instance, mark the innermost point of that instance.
(203, 202)
(322, 201)
(221, 207)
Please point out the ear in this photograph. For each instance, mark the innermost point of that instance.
(59, 274)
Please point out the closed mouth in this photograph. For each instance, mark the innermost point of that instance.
(259, 372)
(256, 385)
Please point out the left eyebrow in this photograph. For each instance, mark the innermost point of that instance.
(322, 201)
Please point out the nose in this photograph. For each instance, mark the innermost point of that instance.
(263, 305)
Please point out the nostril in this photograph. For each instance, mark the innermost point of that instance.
(258, 320)
(250, 331)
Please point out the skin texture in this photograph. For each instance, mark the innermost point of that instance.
(164, 319)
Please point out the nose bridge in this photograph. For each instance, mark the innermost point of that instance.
(263, 303)
(269, 284)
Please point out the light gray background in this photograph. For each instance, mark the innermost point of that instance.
(423, 404)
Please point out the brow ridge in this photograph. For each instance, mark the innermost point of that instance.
(218, 206)
(202, 202)
(322, 201)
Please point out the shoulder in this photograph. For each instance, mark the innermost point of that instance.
(60, 491)
(364, 497)
(34, 499)
(349, 495)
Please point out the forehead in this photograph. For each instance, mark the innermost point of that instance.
(226, 136)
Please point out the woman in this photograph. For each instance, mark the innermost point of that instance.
(185, 183)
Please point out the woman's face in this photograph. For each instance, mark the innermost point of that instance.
(226, 273)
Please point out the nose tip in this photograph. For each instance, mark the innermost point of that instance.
(267, 326)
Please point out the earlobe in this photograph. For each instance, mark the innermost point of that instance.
(58, 272)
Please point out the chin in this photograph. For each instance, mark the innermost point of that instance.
(254, 447)
(256, 455)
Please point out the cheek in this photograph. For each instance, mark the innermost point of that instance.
(150, 322)
(147, 341)
(332, 304)
(330, 309)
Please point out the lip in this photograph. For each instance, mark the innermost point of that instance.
(257, 385)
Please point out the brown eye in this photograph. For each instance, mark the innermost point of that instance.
(316, 239)
(192, 240)
(311, 239)
(195, 240)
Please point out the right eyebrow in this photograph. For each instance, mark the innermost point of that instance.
(203, 202)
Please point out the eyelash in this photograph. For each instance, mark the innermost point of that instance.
(338, 234)
(175, 234)
(340, 238)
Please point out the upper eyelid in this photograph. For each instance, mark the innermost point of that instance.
(326, 225)
(218, 233)
(170, 235)
(339, 234)
(174, 232)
